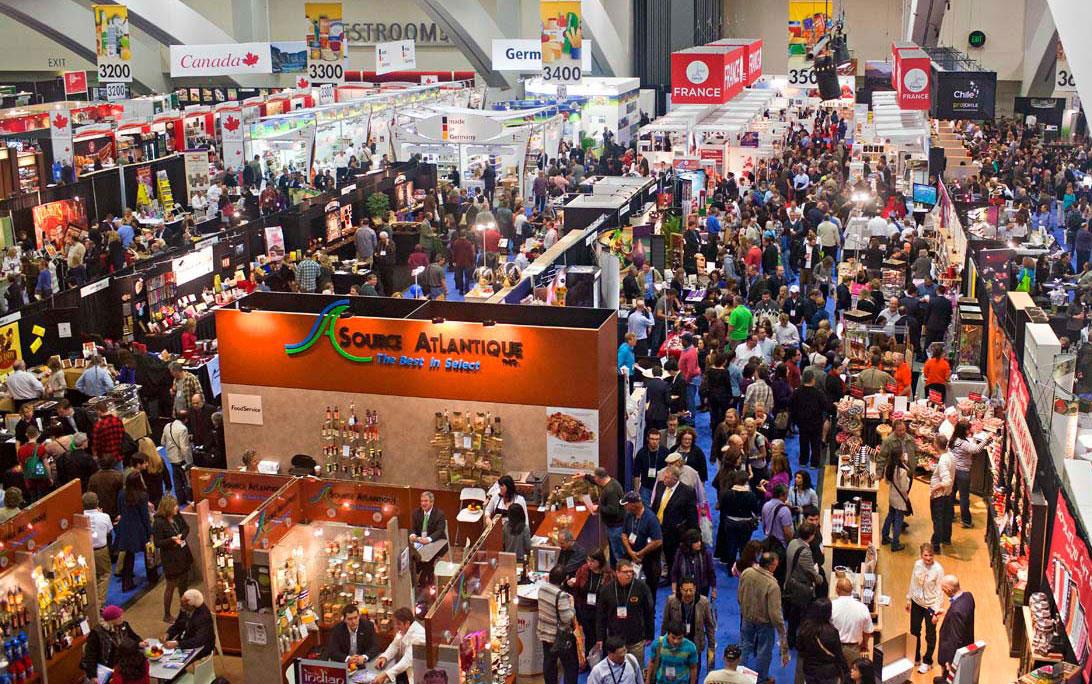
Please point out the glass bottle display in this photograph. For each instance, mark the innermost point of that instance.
(357, 571)
(61, 584)
(351, 447)
(293, 601)
(16, 665)
(221, 539)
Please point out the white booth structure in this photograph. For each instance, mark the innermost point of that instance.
(611, 104)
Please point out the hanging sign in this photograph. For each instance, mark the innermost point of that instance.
(562, 40)
(397, 55)
(913, 70)
(462, 128)
(525, 55)
(220, 60)
(196, 164)
(60, 134)
(1070, 577)
(1064, 81)
(112, 47)
(75, 82)
(326, 47)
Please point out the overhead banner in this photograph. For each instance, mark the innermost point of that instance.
(60, 134)
(1046, 110)
(112, 43)
(289, 56)
(912, 79)
(525, 55)
(326, 47)
(461, 128)
(707, 75)
(1064, 81)
(75, 82)
(562, 40)
(231, 137)
(964, 95)
(397, 55)
(220, 60)
(808, 23)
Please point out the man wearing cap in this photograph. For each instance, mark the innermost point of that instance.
(731, 673)
(101, 647)
(687, 475)
(642, 537)
(793, 306)
(101, 527)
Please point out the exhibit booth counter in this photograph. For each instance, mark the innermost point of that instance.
(471, 391)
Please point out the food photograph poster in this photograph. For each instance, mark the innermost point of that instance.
(572, 440)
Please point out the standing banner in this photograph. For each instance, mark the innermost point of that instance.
(1064, 82)
(1070, 579)
(145, 186)
(112, 43)
(326, 48)
(75, 82)
(10, 349)
(231, 136)
(60, 130)
(562, 40)
(397, 55)
(221, 60)
(197, 171)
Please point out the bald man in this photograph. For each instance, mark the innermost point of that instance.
(957, 629)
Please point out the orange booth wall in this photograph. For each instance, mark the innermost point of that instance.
(556, 367)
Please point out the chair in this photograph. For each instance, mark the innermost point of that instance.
(468, 496)
(896, 666)
(204, 670)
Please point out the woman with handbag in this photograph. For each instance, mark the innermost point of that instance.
(134, 530)
(819, 649)
(738, 518)
(897, 474)
(170, 531)
(557, 629)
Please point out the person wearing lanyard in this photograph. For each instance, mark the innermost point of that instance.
(642, 537)
(674, 658)
(618, 667)
(696, 615)
(592, 576)
(627, 609)
(101, 527)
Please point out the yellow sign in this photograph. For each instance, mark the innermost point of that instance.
(112, 46)
(808, 22)
(562, 40)
(326, 43)
(10, 349)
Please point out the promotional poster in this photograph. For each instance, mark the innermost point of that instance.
(326, 45)
(112, 46)
(562, 41)
(52, 220)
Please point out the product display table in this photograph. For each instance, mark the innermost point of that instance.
(877, 591)
(543, 542)
(843, 553)
(138, 426)
(171, 666)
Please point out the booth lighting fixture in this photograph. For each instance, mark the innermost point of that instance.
(438, 320)
(488, 324)
(245, 309)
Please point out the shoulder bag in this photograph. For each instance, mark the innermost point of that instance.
(565, 641)
(797, 592)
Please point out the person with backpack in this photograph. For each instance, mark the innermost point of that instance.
(801, 579)
(556, 629)
(618, 665)
(674, 658)
(777, 525)
(33, 459)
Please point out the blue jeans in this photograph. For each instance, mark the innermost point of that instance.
(614, 538)
(757, 642)
(692, 398)
(894, 519)
(646, 496)
(963, 491)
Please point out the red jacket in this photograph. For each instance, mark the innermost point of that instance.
(688, 363)
(462, 253)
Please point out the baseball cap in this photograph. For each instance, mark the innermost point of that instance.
(794, 288)
(673, 457)
(631, 497)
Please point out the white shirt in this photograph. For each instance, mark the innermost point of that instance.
(851, 618)
(22, 385)
(176, 439)
(877, 226)
(940, 482)
(787, 335)
(947, 428)
(606, 672)
(741, 675)
(925, 585)
(745, 354)
(496, 506)
(101, 527)
(399, 655)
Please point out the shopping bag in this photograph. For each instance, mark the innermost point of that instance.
(705, 524)
(595, 655)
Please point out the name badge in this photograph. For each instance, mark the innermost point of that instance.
(669, 671)
(632, 537)
(689, 628)
(652, 473)
(622, 612)
(591, 599)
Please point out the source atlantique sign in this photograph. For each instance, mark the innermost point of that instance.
(432, 351)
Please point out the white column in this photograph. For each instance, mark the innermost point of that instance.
(1073, 17)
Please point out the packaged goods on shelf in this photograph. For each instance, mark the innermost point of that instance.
(469, 449)
(351, 448)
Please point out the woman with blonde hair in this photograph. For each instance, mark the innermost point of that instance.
(170, 531)
(153, 474)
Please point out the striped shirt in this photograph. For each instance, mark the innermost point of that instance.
(674, 663)
(548, 613)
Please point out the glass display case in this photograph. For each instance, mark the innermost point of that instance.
(971, 331)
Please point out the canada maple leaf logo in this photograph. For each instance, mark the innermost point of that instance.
(231, 123)
(60, 121)
(302, 82)
(250, 59)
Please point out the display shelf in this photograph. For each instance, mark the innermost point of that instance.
(469, 449)
(351, 448)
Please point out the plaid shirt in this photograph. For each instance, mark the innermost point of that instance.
(190, 385)
(107, 435)
(307, 273)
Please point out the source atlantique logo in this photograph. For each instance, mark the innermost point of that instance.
(325, 326)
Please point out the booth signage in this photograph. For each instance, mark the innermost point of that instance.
(321, 672)
(459, 128)
(75, 82)
(1046, 110)
(277, 517)
(707, 75)
(964, 95)
(752, 52)
(245, 408)
(234, 492)
(112, 46)
(398, 55)
(60, 130)
(525, 55)
(196, 165)
(220, 60)
(192, 266)
(562, 43)
(1016, 408)
(448, 360)
(913, 70)
(326, 44)
(1070, 577)
(353, 504)
(1064, 80)
(41, 523)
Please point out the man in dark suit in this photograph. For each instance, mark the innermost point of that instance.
(658, 393)
(938, 314)
(73, 419)
(427, 525)
(957, 629)
(676, 506)
(353, 640)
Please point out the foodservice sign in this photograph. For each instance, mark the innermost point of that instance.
(245, 409)
(221, 60)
